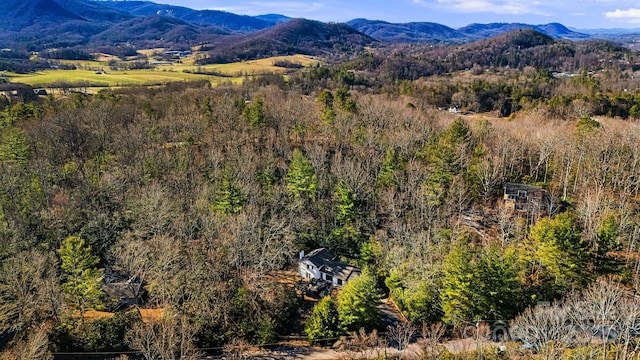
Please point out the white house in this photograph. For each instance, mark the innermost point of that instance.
(322, 264)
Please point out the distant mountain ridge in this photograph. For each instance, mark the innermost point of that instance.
(205, 17)
(433, 32)
(406, 32)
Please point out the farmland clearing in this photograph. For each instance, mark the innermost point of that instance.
(96, 74)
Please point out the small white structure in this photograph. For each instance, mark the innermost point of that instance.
(455, 110)
(322, 264)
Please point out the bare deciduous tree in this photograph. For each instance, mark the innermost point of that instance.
(548, 329)
(168, 338)
(28, 293)
(361, 345)
(430, 346)
(401, 334)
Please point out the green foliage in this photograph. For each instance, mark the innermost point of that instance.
(229, 198)
(206, 107)
(391, 165)
(419, 304)
(25, 111)
(422, 304)
(324, 322)
(445, 156)
(345, 102)
(606, 241)
(457, 286)
(14, 146)
(267, 179)
(4, 102)
(347, 210)
(301, 178)
(109, 333)
(254, 112)
(586, 125)
(82, 278)
(347, 237)
(479, 284)
(554, 256)
(329, 116)
(371, 251)
(499, 284)
(326, 99)
(266, 331)
(358, 303)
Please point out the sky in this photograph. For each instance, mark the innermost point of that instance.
(580, 14)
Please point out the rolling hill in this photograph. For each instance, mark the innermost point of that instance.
(296, 36)
(156, 30)
(407, 32)
(554, 30)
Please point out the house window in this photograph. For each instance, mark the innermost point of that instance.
(339, 282)
(308, 266)
(328, 277)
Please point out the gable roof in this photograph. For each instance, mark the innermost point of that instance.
(512, 187)
(327, 263)
(319, 257)
(340, 270)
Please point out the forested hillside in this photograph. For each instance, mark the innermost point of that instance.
(192, 199)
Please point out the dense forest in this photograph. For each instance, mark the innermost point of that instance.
(195, 198)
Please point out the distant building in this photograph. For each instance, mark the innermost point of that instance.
(322, 264)
(177, 54)
(455, 110)
(526, 198)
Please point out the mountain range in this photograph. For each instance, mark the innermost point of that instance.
(433, 32)
(41, 24)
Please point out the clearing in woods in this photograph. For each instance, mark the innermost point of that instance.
(99, 74)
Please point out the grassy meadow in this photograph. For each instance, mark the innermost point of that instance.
(99, 74)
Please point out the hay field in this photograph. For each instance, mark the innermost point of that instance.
(106, 79)
(162, 74)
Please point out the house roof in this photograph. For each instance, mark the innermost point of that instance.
(512, 187)
(340, 270)
(327, 263)
(120, 290)
(319, 257)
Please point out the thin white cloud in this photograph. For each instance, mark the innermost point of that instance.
(631, 15)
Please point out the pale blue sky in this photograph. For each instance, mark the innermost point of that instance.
(587, 14)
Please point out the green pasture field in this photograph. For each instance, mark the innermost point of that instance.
(106, 79)
(251, 67)
(162, 74)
